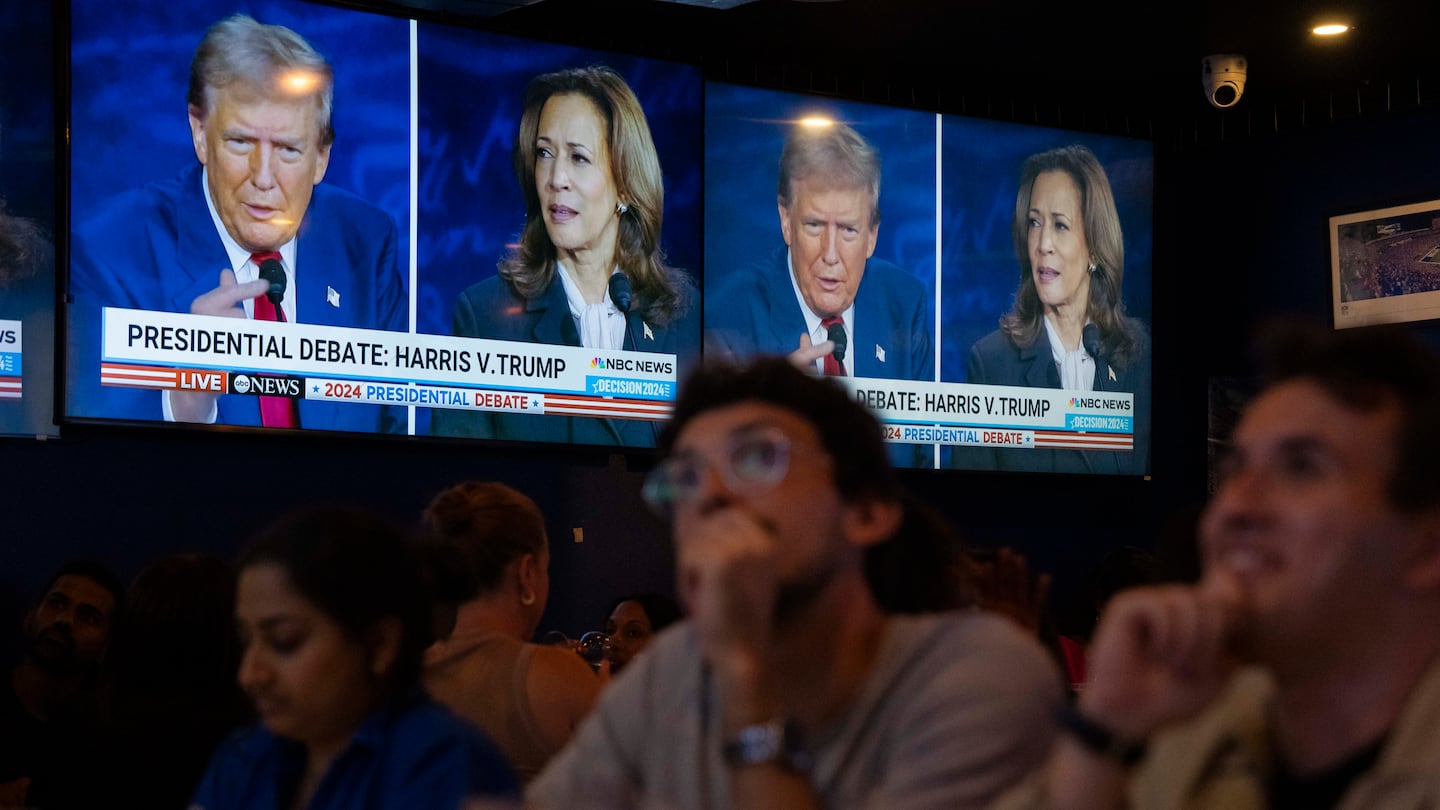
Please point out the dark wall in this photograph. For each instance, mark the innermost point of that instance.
(1252, 220)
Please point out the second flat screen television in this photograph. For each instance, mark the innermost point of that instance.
(984, 286)
(249, 249)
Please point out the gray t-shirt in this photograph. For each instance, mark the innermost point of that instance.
(957, 708)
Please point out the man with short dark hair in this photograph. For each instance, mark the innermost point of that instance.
(788, 686)
(1304, 668)
(260, 103)
(49, 710)
(824, 287)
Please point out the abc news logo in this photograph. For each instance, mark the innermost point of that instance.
(267, 386)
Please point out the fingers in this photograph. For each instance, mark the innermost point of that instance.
(225, 299)
(1006, 586)
(1012, 574)
(1228, 603)
(1041, 594)
(1179, 628)
(808, 352)
(726, 565)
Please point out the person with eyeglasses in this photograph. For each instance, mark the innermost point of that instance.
(788, 684)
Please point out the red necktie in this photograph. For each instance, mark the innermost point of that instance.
(833, 366)
(274, 411)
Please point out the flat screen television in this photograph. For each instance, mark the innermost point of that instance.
(388, 315)
(921, 233)
(27, 221)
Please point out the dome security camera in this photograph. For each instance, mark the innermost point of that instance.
(1223, 77)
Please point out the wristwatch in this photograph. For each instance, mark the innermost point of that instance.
(775, 742)
(1098, 739)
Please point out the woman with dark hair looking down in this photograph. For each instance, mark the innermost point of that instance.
(334, 620)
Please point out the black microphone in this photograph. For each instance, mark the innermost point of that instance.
(273, 271)
(620, 291)
(836, 332)
(1090, 339)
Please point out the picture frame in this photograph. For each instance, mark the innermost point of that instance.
(1385, 265)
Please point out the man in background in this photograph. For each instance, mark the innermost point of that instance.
(1304, 668)
(49, 711)
(789, 686)
(260, 101)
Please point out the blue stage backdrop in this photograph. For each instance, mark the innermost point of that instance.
(27, 194)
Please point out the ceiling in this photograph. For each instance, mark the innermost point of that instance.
(933, 52)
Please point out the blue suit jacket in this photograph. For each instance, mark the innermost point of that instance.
(493, 309)
(754, 311)
(995, 360)
(156, 248)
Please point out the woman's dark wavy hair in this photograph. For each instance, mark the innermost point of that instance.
(660, 291)
(1119, 333)
(358, 569)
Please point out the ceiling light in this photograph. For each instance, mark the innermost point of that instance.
(1329, 29)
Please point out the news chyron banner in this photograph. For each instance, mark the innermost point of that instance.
(183, 352)
(967, 415)
(10, 360)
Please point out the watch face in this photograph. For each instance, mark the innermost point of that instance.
(775, 742)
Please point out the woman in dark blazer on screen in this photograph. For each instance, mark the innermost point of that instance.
(588, 269)
(1068, 328)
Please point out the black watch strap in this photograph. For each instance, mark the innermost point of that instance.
(1098, 739)
(775, 742)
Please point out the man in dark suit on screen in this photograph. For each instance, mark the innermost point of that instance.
(824, 288)
(260, 118)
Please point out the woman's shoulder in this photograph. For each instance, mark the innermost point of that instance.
(1136, 327)
(994, 343)
(491, 291)
(1138, 333)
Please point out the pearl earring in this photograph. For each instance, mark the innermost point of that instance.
(621, 208)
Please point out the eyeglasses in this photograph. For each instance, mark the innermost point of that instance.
(754, 460)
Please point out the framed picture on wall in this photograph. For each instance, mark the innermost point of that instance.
(1385, 265)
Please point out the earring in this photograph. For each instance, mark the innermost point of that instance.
(1092, 267)
(527, 599)
(621, 208)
